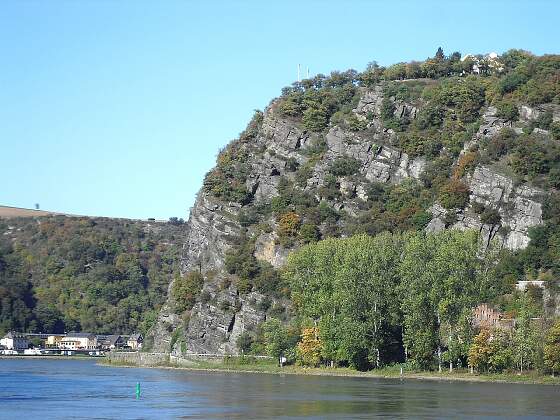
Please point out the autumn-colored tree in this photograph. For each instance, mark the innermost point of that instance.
(288, 226)
(309, 348)
(480, 351)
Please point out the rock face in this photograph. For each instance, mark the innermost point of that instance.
(222, 313)
(519, 209)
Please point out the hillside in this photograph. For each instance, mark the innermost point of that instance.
(10, 212)
(99, 275)
(462, 143)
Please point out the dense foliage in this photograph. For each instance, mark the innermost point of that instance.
(374, 297)
(91, 274)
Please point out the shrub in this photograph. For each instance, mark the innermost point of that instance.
(418, 144)
(554, 178)
(544, 120)
(430, 116)
(267, 279)
(501, 144)
(292, 164)
(465, 163)
(317, 148)
(552, 349)
(454, 194)
(239, 260)
(344, 166)
(186, 289)
(555, 130)
(478, 208)
(205, 296)
(291, 105)
(253, 127)
(355, 124)
(303, 174)
(309, 233)
(288, 226)
(387, 109)
(511, 82)
(225, 305)
(507, 110)
(532, 158)
(490, 217)
(315, 119)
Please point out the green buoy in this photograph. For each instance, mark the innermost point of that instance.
(137, 390)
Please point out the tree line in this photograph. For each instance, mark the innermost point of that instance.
(372, 301)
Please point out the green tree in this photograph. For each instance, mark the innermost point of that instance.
(442, 276)
(552, 349)
(277, 338)
(315, 119)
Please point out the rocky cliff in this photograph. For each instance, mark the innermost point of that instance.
(278, 154)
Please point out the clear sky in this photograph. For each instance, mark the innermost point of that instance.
(118, 108)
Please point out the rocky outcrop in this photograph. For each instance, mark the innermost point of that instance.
(528, 113)
(215, 326)
(370, 102)
(519, 209)
(267, 249)
(380, 162)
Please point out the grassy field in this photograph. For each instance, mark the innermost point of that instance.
(7, 212)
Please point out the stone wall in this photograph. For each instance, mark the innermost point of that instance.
(138, 358)
(166, 359)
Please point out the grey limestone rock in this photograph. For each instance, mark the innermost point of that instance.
(519, 208)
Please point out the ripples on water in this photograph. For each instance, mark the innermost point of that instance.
(79, 389)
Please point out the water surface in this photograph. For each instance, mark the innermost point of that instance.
(80, 389)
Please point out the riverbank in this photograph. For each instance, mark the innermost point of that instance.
(50, 356)
(249, 365)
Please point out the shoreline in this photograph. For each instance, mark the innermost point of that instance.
(46, 356)
(532, 379)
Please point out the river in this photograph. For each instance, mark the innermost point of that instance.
(80, 389)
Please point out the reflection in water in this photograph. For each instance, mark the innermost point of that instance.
(80, 389)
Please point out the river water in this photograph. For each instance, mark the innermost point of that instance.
(80, 389)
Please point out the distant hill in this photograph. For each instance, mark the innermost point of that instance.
(9, 212)
(94, 274)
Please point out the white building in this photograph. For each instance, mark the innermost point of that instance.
(135, 341)
(14, 341)
(79, 341)
(489, 61)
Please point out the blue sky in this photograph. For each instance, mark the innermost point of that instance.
(118, 108)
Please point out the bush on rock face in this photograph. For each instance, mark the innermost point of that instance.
(186, 290)
(507, 110)
(344, 166)
(454, 194)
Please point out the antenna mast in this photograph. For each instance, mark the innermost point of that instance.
(298, 73)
